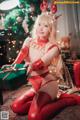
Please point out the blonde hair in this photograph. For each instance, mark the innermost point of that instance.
(48, 18)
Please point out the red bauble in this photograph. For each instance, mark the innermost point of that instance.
(53, 8)
(44, 6)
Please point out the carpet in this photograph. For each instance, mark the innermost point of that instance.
(68, 113)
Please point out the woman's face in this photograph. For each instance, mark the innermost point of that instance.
(43, 30)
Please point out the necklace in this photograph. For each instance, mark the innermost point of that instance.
(38, 47)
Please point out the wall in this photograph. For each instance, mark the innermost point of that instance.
(68, 23)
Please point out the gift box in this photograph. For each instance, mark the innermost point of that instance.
(13, 79)
(1, 96)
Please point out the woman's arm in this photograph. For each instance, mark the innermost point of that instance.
(52, 52)
(23, 52)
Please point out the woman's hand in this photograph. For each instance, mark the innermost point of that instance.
(9, 67)
(37, 65)
(5, 66)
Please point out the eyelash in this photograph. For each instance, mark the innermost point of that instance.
(44, 25)
(39, 24)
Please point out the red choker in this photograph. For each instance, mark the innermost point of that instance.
(41, 42)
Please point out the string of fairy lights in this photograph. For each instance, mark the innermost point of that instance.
(15, 47)
(9, 47)
(13, 22)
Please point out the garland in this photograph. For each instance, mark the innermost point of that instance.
(14, 18)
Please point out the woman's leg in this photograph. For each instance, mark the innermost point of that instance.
(43, 108)
(53, 108)
(40, 100)
(22, 104)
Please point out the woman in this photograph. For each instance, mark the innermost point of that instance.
(40, 52)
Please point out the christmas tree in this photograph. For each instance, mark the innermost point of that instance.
(18, 23)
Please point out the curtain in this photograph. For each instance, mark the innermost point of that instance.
(69, 23)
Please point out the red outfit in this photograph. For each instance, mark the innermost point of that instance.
(46, 109)
(39, 102)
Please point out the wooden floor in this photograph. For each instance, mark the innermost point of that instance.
(69, 113)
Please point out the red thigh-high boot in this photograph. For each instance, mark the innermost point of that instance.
(22, 104)
(53, 108)
(40, 100)
(76, 70)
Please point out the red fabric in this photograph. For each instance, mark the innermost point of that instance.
(52, 109)
(49, 108)
(76, 70)
(74, 96)
(40, 100)
(44, 6)
(53, 8)
(23, 53)
(36, 82)
(38, 65)
(21, 104)
(42, 42)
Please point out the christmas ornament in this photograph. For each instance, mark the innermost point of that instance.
(44, 6)
(53, 8)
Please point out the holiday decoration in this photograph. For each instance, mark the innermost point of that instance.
(27, 10)
(13, 78)
(48, 6)
(19, 20)
(18, 23)
(53, 8)
(65, 47)
(3, 48)
(65, 42)
(44, 6)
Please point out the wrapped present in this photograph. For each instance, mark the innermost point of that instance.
(1, 95)
(13, 78)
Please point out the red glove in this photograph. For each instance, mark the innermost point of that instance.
(23, 53)
(39, 64)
